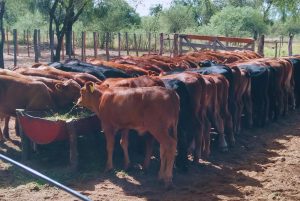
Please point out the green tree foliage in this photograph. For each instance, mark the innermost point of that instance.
(111, 15)
(177, 19)
(238, 21)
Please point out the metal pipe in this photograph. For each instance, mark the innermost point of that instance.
(47, 179)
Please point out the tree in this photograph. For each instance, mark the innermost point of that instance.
(177, 19)
(155, 10)
(238, 21)
(2, 11)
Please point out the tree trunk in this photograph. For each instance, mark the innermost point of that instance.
(69, 40)
(51, 37)
(2, 10)
(58, 48)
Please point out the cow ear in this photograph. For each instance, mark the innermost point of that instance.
(91, 87)
(59, 86)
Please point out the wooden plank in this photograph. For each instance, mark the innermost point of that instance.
(220, 44)
(175, 45)
(220, 38)
(180, 45)
(190, 44)
(203, 46)
(161, 43)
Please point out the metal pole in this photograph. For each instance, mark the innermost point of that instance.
(44, 177)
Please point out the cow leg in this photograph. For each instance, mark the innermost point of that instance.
(6, 127)
(17, 127)
(149, 149)
(227, 119)
(198, 133)
(218, 123)
(181, 159)
(1, 134)
(110, 141)
(248, 110)
(124, 145)
(206, 140)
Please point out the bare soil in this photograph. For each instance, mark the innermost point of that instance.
(264, 165)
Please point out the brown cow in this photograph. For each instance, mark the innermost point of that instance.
(53, 73)
(142, 107)
(12, 96)
(142, 81)
(63, 93)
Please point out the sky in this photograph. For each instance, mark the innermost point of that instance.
(142, 6)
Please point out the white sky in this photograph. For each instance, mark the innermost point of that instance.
(142, 6)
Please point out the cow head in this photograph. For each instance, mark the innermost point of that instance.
(67, 92)
(89, 96)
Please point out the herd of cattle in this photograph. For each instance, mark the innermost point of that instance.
(177, 101)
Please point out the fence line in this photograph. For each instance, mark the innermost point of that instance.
(117, 44)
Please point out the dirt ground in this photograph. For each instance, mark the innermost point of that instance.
(264, 165)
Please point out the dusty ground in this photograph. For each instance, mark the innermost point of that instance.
(264, 165)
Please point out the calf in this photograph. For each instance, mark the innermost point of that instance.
(12, 96)
(142, 107)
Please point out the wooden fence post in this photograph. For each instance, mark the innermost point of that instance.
(95, 44)
(180, 46)
(119, 44)
(127, 45)
(276, 48)
(261, 45)
(107, 45)
(7, 41)
(149, 43)
(83, 46)
(175, 45)
(27, 42)
(52, 45)
(36, 48)
(161, 43)
(15, 38)
(135, 45)
(39, 41)
(290, 44)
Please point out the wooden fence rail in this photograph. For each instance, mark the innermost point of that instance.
(107, 45)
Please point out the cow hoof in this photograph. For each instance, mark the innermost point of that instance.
(129, 168)
(169, 185)
(108, 170)
(224, 149)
